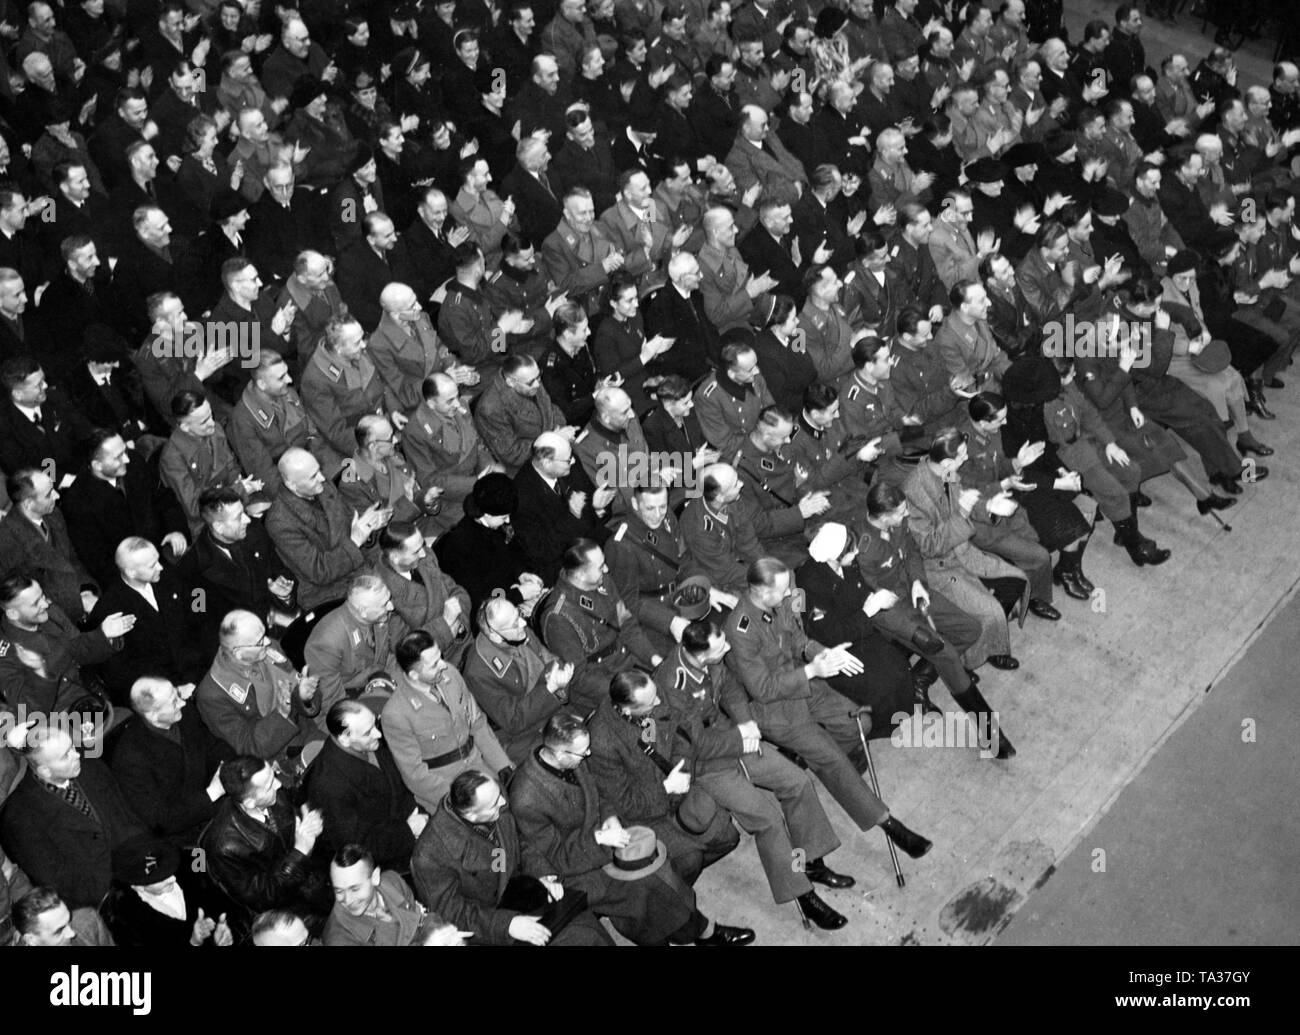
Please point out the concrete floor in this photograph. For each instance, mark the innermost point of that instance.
(1097, 694)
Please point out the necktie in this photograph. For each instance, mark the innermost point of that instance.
(44, 530)
(271, 823)
(541, 178)
(36, 419)
(90, 288)
(416, 577)
(76, 797)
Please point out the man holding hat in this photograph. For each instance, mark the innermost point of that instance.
(643, 786)
(572, 835)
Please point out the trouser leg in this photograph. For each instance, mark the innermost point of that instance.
(826, 758)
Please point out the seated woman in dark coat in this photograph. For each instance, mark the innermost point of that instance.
(834, 595)
(787, 368)
(671, 426)
(483, 554)
(158, 901)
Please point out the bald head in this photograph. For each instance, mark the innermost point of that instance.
(552, 442)
(396, 297)
(240, 627)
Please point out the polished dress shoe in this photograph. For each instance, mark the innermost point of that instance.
(1275, 382)
(908, 841)
(819, 873)
(1250, 444)
(974, 676)
(1069, 581)
(1229, 485)
(820, 913)
(1214, 502)
(1044, 610)
(1004, 661)
(924, 675)
(1258, 472)
(1255, 402)
(724, 935)
(1140, 499)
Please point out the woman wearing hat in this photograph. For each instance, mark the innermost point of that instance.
(1044, 405)
(835, 595)
(1201, 361)
(366, 111)
(414, 91)
(482, 554)
(318, 124)
(156, 902)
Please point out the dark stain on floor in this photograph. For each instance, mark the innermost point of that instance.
(979, 909)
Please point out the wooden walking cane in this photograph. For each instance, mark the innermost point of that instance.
(875, 787)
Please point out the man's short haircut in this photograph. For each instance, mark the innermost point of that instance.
(411, 646)
(576, 556)
(819, 396)
(336, 720)
(237, 775)
(213, 501)
(561, 730)
(765, 571)
(696, 636)
(17, 369)
(464, 789)
(29, 909)
(351, 854)
(186, 401)
(624, 686)
(866, 349)
(884, 497)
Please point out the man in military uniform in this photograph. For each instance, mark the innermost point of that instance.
(784, 673)
(465, 320)
(585, 622)
(637, 783)
(727, 403)
(717, 530)
(269, 419)
(340, 384)
(568, 367)
(424, 597)
(765, 793)
(520, 286)
(514, 678)
(828, 335)
(514, 409)
(730, 290)
(869, 410)
(612, 447)
(198, 456)
(965, 342)
(444, 449)
(350, 649)
(405, 350)
(319, 538)
(577, 256)
(825, 458)
(906, 610)
(648, 560)
(920, 381)
(771, 485)
(375, 474)
(434, 728)
(253, 699)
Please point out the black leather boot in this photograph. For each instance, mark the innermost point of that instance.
(819, 873)
(1140, 549)
(1255, 402)
(972, 701)
(820, 913)
(908, 841)
(1066, 575)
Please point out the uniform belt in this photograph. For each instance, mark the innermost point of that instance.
(458, 755)
(608, 652)
(1071, 441)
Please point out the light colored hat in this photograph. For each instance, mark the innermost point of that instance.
(829, 542)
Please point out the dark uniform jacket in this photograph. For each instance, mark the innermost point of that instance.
(509, 683)
(647, 566)
(337, 394)
(238, 705)
(226, 576)
(596, 633)
(419, 600)
(768, 653)
(509, 422)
